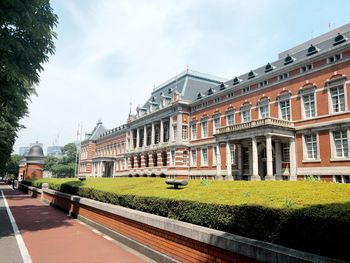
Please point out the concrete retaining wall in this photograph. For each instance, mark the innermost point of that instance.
(167, 240)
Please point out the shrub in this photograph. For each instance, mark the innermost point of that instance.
(322, 229)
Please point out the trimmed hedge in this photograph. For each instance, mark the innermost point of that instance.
(319, 229)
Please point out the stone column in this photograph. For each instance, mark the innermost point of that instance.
(278, 160)
(228, 162)
(269, 161)
(255, 164)
(145, 136)
(153, 134)
(171, 129)
(137, 138)
(292, 162)
(161, 132)
(218, 162)
(239, 160)
(179, 127)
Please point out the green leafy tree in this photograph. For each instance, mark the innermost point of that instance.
(12, 165)
(64, 166)
(26, 42)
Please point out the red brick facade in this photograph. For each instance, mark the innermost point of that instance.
(287, 120)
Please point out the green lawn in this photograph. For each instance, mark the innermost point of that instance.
(276, 194)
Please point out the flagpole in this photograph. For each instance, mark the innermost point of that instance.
(76, 154)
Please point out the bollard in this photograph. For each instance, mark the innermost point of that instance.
(43, 187)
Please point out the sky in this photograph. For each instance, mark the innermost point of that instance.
(110, 54)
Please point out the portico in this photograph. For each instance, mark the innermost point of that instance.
(258, 145)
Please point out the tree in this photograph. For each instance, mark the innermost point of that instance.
(65, 166)
(12, 165)
(26, 41)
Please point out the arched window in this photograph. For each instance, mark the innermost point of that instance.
(146, 160)
(155, 159)
(289, 59)
(339, 39)
(312, 50)
(268, 67)
(185, 158)
(236, 81)
(251, 74)
(139, 161)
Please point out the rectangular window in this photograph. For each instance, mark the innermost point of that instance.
(245, 90)
(194, 131)
(184, 133)
(172, 152)
(215, 155)
(246, 115)
(175, 132)
(334, 58)
(341, 143)
(285, 109)
(204, 156)
(264, 110)
(205, 129)
(311, 146)
(283, 76)
(193, 157)
(285, 153)
(216, 122)
(306, 68)
(230, 120)
(233, 151)
(337, 98)
(309, 105)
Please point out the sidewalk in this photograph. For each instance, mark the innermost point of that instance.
(52, 236)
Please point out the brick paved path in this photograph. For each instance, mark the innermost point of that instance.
(52, 236)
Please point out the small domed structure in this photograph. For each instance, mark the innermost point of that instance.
(35, 162)
(36, 151)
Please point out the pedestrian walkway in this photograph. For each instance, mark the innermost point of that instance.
(51, 236)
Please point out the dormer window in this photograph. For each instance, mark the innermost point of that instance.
(251, 74)
(236, 81)
(170, 90)
(312, 50)
(222, 86)
(268, 67)
(289, 59)
(199, 96)
(339, 39)
(210, 91)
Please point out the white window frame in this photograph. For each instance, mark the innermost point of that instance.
(308, 92)
(202, 128)
(233, 154)
(193, 158)
(261, 104)
(283, 99)
(184, 132)
(173, 157)
(194, 132)
(243, 111)
(202, 156)
(229, 113)
(216, 118)
(330, 99)
(334, 156)
(215, 156)
(306, 157)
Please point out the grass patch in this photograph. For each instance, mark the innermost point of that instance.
(312, 216)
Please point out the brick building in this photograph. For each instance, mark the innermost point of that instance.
(285, 120)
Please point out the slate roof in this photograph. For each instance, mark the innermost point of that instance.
(300, 55)
(187, 84)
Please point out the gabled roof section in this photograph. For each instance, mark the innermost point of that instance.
(96, 132)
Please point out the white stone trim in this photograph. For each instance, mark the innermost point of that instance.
(329, 170)
(305, 156)
(333, 156)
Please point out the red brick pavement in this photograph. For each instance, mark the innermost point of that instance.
(52, 236)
